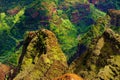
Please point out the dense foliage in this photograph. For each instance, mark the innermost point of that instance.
(20, 16)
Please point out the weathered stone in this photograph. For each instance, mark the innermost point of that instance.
(115, 17)
(100, 61)
(4, 71)
(42, 58)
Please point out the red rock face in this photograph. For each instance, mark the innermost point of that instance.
(54, 10)
(82, 10)
(2, 75)
(13, 11)
(69, 77)
(4, 70)
(75, 17)
(32, 13)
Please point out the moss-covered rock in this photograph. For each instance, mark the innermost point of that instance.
(101, 60)
(41, 58)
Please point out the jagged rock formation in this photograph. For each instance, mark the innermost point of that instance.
(69, 76)
(41, 58)
(115, 17)
(101, 60)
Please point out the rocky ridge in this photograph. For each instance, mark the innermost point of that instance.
(101, 60)
(41, 58)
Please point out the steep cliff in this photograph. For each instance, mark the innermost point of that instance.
(41, 58)
(101, 60)
(62, 17)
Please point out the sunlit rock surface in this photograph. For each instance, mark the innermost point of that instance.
(4, 71)
(41, 58)
(101, 60)
(69, 76)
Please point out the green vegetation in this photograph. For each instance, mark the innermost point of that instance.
(52, 17)
(67, 36)
(96, 30)
(7, 40)
(116, 29)
(36, 63)
(3, 24)
(18, 17)
(95, 13)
